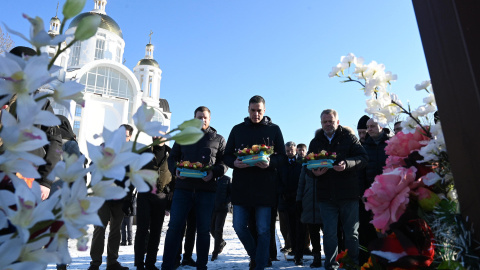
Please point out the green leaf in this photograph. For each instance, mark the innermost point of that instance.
(87, 27)
(72, 8)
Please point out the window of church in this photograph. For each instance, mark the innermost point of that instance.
(75, 59)
(78, 110)
(117, 56)
(99, 49)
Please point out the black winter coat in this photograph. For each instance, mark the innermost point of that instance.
(208, 150)
(376, 159)
(254, 186)
(289, 185)
(342, 185)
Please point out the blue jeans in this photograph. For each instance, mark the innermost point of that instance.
(260, 250)
(348, 212)
(183, 201)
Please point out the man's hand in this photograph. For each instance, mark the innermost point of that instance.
(319, 171)
(178, 175)
(263, 164)
(239, 164)
(208, 177)
(45, 192)
(340, 166)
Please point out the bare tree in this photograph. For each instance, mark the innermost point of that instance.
(5, 41)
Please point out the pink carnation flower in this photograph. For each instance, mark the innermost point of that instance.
(394, 162)
(389, 195)
(401, 145)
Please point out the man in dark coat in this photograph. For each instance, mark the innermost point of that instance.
(194, 192)
(374, 145)
(253, 187)
(337, 188)
(151, 208)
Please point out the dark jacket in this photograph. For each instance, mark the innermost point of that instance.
(307, 195)
(342, 185)
(254, 186)
(161, 167)
(376, 159)
(209, 151)
(222, 197)
(289, 185)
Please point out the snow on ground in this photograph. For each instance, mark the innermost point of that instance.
(233, 256)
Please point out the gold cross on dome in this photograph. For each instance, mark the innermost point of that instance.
(150, 37)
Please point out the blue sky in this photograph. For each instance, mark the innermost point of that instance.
(219, 53)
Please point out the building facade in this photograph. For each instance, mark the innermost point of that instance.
(112, 91)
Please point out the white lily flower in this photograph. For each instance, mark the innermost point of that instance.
(34, 252)
(138, 177)
(23, 77)
(108, 190)
(335, 70)
(142, 119)
(110, 161)
(70, 169)
(38, 36)
(78, 209)
(60, 245)
(10, 164)
(409, 125)
(30, 209)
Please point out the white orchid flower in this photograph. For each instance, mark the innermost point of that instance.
(70, 169)
(34, 252)
(431, 178)
(109, 161)
(60, 245)
(82, 243)
(23, 77)
(30, 209)
(34, 115)
(19, 140)
(108, 190)
(10, 164)
(138, 177)
(348, 59)
(71, 90)
(78, 209)
(38, 36)
(143, 121)
(423, 85)
(10, 251)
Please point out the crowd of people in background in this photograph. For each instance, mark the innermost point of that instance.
(308, 201)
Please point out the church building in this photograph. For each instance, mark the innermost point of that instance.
(112, 91)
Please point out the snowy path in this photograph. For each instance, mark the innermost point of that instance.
(232, 257)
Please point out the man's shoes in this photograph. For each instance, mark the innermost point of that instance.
(269, 263)
(123, 243)
(214, 256)
(151, 267)
(291, 253)
(129, 243)
(317, 261)
(116, 266)
(93, 267)
(285, 250)
(177, 265)
(188, 262)
(61, 267)
(222, 245)
(307, 251)
(274, 259)
(252, 264)
(298, 261)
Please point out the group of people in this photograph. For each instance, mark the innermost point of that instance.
(308, 200)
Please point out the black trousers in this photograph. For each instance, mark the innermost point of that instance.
(150, 216)
(190, 229)
(216, 228)
(314, 230)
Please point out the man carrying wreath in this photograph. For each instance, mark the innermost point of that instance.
(194, 192)
(337, 189)
(254, 186)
